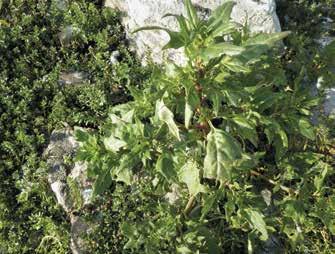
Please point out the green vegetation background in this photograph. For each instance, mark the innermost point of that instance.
(33, 103)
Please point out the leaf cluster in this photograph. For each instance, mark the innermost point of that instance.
(229, 136)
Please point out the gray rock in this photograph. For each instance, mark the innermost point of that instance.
(329, 105)
(260, 14)
(72, 78)
(79, 228)
(61, 4)
(66, 35)
(174, 195)
(61, 149)
(114, 58)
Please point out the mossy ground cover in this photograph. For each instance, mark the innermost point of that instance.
(33, 102)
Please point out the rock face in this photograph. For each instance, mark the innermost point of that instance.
(329, 105)
(261, 15)
(62, 147)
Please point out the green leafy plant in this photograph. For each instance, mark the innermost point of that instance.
(232, 132)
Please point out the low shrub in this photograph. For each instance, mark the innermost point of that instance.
(40, 43)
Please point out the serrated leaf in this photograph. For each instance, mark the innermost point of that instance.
(166, 116)
(267, 196)
(128, 116)
(189, 174)
(222, 150)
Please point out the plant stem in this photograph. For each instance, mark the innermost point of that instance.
(284, 188)
(189, 205)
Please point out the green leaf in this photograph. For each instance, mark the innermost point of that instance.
(221, 152)
(166, 116)
(324, 210)
(218, 49)
(114, 144)
(130, 231)
(3, 22)
(192, 13)
(220, 16)
(209, 201)
(184, 250)
(223, 29)
(123, 172)
(265, 38)
(165, 166)
(256, 220)
(183, 24)
(192, 101)
(217, 100)
(247, 129)
(276, 135)
(176, 38)
(320, 178)
(252, 239)
(234, 64)
(103, 182)
(329, 54)
(189, 174)
(252, 53)
(176, 41)
(81, 135)
(123, 175)
(306, 129)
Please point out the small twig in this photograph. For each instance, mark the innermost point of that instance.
(284, 188)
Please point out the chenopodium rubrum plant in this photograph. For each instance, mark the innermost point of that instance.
(229, 133)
